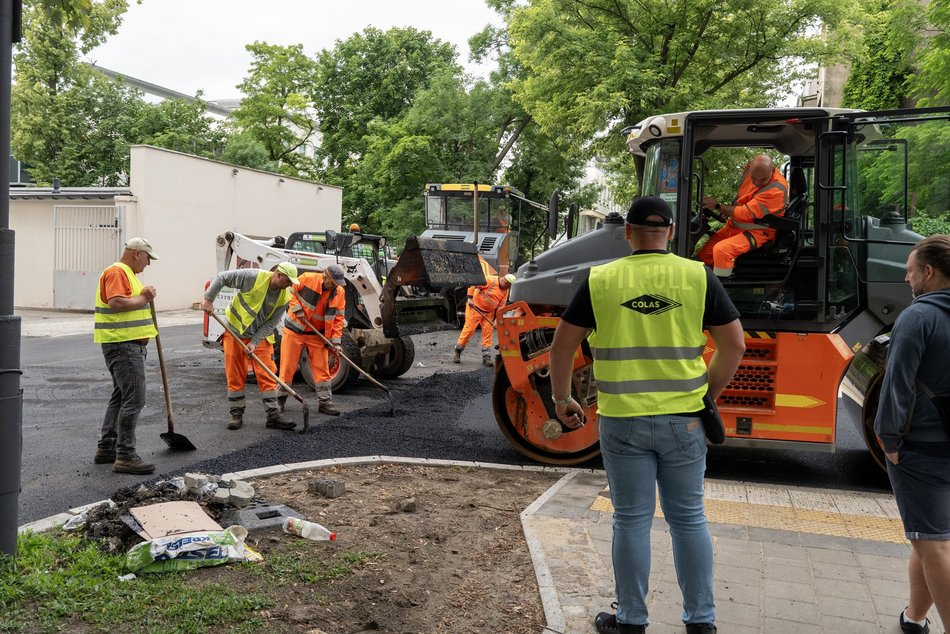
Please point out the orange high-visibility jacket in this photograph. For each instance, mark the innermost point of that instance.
(323, 307)
(754, 202)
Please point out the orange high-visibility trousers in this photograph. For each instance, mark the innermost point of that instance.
(474, 319)
(722, 249)
(235, 369)
(291, 344)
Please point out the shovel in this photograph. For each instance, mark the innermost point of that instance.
(392, 404)
(284, 386)
(173, 440)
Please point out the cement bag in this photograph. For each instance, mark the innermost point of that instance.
(189, 551)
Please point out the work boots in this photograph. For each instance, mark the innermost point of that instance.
(457, 356)
(326, 407)
(236, 421)
(132, 464)
(104, 455)
(487, 360)
(276, 421)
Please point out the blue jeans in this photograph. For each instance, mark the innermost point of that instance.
(126, 363)
(640, 453)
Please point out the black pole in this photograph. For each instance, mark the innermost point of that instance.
(11, 396)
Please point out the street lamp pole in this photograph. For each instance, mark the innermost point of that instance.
(11, 395)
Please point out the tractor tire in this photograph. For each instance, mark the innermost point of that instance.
(342, 374)
(398, 360)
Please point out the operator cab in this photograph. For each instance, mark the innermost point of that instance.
(846, 197)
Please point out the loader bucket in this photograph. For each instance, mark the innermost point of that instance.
(433, 266)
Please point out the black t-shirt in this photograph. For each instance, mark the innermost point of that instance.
(719, 309)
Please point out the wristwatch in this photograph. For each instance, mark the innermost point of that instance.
(564, 401)
(718, 205)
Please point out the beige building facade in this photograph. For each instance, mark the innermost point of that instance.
(179, 202)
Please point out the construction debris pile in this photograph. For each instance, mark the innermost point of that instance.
(115, 528)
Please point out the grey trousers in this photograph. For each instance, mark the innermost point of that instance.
(126, 363)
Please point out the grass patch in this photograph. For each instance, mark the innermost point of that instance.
(58, 578)
(293, 565)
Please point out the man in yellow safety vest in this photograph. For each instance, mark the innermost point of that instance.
(123, 326)
(256, 310)
(648, 312)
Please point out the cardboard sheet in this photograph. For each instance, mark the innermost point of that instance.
(173, 518)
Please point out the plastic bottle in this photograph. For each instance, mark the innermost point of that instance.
(310, 530)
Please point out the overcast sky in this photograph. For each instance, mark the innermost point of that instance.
(191, 45)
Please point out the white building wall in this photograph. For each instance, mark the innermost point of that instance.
(32, 222)
(180, 203)
(185, 202)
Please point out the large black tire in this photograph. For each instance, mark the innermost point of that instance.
(342, 374)
(397, 361)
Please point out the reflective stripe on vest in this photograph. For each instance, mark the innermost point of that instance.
(648, 344)
(116, 326)
(305, 303)
(244, 309)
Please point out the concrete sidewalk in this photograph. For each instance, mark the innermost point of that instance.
(787, 560)
(40, 322)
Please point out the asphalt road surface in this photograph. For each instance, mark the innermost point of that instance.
(443, 410)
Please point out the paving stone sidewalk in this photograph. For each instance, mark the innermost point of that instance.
(787, 560)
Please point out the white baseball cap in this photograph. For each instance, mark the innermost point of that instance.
(141, 244)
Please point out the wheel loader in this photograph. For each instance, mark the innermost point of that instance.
(817, 302)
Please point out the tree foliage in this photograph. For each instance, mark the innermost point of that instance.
(180, 125)
(277, 109)
(596, 66)
(73, 123)
(932, 83)
(878, 77)
(372, 75)
(68, 121)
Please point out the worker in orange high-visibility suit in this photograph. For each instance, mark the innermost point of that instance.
(481, 310)
(763, 191)
(319, 299)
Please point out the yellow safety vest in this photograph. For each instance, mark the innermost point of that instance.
(648, 344)
(116, 326)
(245, 307)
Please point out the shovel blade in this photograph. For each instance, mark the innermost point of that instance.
(177, 441)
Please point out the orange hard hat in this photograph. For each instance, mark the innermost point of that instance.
(354, 227)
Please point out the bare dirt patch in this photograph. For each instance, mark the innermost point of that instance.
(458, 562)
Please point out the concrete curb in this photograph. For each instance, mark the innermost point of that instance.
(553, 614)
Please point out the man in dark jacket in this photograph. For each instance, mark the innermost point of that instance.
(914, 434)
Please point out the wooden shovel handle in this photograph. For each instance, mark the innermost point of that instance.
(260, 363)
(161, 364)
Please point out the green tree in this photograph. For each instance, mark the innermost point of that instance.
(447, 135)
(878, 78)
(932, 83)
(241, 148)
(277, 109)
(372, 75)
(182, 125)
(596, 66)
(68, 121)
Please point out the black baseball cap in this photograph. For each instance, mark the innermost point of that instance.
(646, 206)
